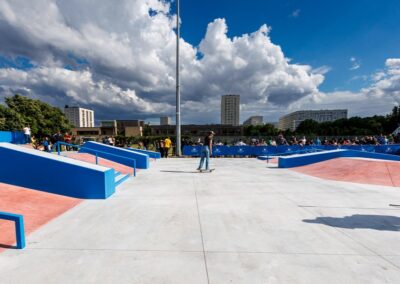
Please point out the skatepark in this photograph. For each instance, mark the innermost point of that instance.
(249, 221)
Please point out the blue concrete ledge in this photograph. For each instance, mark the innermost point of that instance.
(151, 154)
(125, 156)
(47, 172)
(311, 158)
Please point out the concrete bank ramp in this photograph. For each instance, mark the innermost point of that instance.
(311, 158)
(43, 171)
(364, 171)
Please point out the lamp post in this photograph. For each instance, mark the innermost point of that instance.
(178, 91)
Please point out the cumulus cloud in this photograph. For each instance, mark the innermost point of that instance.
(57, 85)
(387, 83)
(128, 50)
(120, 60)
(378, 98)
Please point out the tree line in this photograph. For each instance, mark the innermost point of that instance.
(353, 126)
(43, 119)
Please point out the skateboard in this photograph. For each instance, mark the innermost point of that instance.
(206, 171)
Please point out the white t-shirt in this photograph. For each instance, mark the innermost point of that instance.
(27, 131)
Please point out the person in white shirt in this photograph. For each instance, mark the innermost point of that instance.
(27, 134)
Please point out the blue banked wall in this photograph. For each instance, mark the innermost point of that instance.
(14, 137)
(55, 174)
(116, 154)
(152, 154)
(306, 159)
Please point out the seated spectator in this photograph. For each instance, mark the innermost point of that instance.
(67, 139)
(281, 140)
(46, 145)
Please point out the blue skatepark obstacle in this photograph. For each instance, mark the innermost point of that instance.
(311, 158)
(43, 171)
(256, 151)
(19, 227)
(152, 154)
(111, 153)
(15, 137)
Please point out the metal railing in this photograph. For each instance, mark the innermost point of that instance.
(96, 152)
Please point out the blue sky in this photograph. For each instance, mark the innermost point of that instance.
(118, 58)
(314, 32)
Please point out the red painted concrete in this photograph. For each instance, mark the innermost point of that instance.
(354, 170)
(37, 207)
(102, 162)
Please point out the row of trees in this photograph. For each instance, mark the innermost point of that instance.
(46, 120)
(43, 119)
(374, 125)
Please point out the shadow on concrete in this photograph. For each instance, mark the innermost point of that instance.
(180, 172)
(7, 246)
(373, 222)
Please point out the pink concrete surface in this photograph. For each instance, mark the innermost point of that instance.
(102, 162)
(353, 170)
(37, 207)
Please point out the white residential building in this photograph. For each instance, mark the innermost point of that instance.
(79, 117)
(165, 120)
(230, 110)
(292, 120)
(254, 120)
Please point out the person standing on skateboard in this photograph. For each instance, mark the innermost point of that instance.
(206, 151)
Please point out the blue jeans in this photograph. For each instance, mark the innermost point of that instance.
(205, 155)
(27, 138)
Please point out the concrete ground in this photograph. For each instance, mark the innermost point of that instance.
(243, 223)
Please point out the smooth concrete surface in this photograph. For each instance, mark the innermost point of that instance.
(247, 222)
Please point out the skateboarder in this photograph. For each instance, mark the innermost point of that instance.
(206, 151)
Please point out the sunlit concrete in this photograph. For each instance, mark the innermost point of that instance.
(247, 222)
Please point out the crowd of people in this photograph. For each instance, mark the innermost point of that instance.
(47, 143)
(309, 141)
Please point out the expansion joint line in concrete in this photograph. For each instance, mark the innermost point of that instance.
(390, 175)
(201, 232)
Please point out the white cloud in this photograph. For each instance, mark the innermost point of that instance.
(124, 63)
(131, 46)
(378, 98)
(355, 63)
(296, 13)
(74, 87)
(322, 70)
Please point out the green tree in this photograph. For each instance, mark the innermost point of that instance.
(308, 127)
(43, 119)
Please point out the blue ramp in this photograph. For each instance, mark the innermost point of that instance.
(311, 158)
(151, 154)
(55, 174)
(116, 154)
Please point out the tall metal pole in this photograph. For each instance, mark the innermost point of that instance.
(178, 91)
